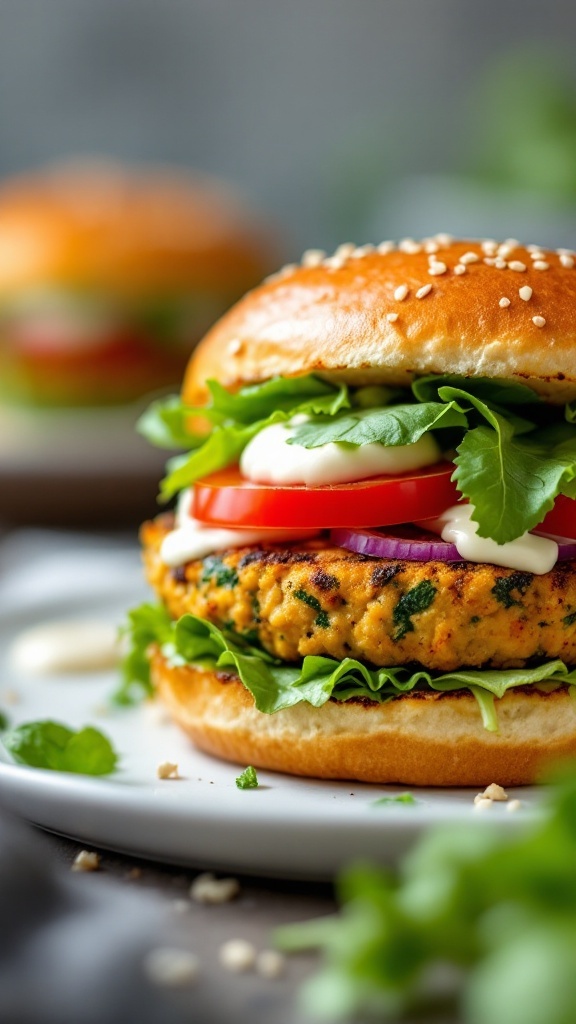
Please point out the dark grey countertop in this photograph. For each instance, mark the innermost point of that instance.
(260, 907)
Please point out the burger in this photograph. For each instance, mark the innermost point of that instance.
(108, 277)
(370, 572)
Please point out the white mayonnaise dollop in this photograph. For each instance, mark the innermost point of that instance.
(70, 645)
(192, 539)
(527, 553)
(268, 459)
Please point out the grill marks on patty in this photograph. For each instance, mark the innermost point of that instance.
(313, 598)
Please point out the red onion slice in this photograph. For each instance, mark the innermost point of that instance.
(416, 545)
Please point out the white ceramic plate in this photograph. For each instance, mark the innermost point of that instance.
(287, 827)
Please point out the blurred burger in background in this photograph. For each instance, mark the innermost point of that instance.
(108, 276)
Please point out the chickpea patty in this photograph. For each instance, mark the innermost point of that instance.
(314, 598)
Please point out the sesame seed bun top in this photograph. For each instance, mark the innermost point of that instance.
(126, 231)
(389, 313)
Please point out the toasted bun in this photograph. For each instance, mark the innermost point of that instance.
(333, 318)
(420, 739)
(126, 231)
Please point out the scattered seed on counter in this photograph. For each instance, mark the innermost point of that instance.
(237, 955)
(494, 792)
(86, 860)
(270, 963)
(174, 968)
(206, 888)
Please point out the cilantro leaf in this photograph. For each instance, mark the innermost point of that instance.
(247, 779)
(394, 425)
(48, 744)
(400, 798)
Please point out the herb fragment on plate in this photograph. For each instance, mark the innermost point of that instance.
(248, 779)
(400, 798)
(480, 917)
(48, 744)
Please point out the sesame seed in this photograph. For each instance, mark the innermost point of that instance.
(409, 245)
(489, 246)
(444, 239)
(494, 792)
(362, 250)
(504, 302)
(490, 261)
(335, 262)
(525, 293)
(237, 955)
(513, 805)
(504, 251)
(435, 269)
(287, 269)
(540, 265)
(86, 860)
(167, 770)
(345, 250)
(500, 264)
(171, 967)
(385, 247)
(401, 292)
(424, 290)
(536, 254)
(482, 803)
(431, 246)
(539, 321)
(391, 317)
(517, 265)
(459, 269)
(567, 261)
(534, 248)
(313, 257)
(512, 242)
(469, 257)
(566, 252)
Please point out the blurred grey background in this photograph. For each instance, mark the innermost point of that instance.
(361, 118)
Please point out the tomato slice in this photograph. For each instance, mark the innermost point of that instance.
(227, 499)
(561, 520)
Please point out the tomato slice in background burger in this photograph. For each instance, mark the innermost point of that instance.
(227, 499)
(561, 520)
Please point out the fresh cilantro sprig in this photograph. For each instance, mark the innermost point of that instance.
(248, 779)
(498, 908)
(48, 744)
(275, 685)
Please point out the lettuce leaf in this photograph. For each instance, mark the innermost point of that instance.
(276, 685)
(235, 419)
(395, 425)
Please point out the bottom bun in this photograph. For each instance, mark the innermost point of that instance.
(419, 739)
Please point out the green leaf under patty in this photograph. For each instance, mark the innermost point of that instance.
(276, 685)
